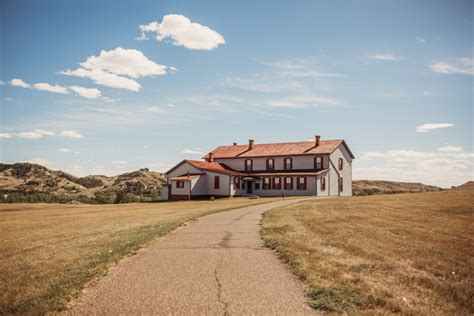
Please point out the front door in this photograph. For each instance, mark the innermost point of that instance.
(249, 187)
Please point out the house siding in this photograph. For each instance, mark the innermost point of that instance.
(260, 164)
(346, 173)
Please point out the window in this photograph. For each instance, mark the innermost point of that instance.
(288, 183)
(341, 163)
(318, 163)
(288, 163)
(248, 165)
(217, 182)
(270, 164)
(301, 184)
(179, 184)
(236, 183)
(266, 183)
(276, 183)
(341, 185)
(322, 184)
(257, 185)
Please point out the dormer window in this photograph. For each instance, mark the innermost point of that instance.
(248, 165)
(270, 164)
(288, 163)
(341, 164)
(318, 163)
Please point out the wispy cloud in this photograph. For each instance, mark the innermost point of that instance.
(191, 152)
(38, 133)
(460, 66)
(447, 166)
(182, 32)
(425, 128)
(89, 93)
(384, 57)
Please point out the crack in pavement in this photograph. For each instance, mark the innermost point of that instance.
(219, 289)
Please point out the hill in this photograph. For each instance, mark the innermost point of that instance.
(376, 187)
(27, 182)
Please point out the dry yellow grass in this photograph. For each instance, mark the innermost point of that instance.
(49, 252)
(407, 253)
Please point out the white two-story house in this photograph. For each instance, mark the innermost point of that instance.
(307, 168)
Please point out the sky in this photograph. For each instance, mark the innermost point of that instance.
(106, 87)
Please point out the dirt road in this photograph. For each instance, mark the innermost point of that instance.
(214, 266)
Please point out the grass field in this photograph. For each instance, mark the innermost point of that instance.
(48, 252)
(409, 253)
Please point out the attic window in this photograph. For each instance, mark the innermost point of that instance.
(341, 163)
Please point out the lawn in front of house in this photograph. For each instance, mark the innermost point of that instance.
(406, 253)
(49, 252)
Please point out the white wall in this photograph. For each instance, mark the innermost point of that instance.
(260, 164)
(318, 183)
(180, 191)
(223, 184)
(346, 172)
(182, 170)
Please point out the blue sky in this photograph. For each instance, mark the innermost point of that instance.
(102, 87)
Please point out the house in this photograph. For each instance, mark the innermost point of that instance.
(307, 168)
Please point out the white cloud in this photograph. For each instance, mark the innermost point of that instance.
(421, 40)
(44, 133)
(173, 68)
(89, 93)
(450, 149)
(105, 78)
(191, 152)
(64, 150)
(128, 62)
(114, 68)
(8, 99)
(72, 134)
(384, 56)
(461, 66)
(445, 167)
(19, 83)
(30, 135)
(2, 83)
(183, 32)
(6, 135)
(425, 128)
(50, 88)
(303, 101)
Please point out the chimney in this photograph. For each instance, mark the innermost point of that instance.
(235, 144)
(317, 138)
(250, 143)
(210, 157)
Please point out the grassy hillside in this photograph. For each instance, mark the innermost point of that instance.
(50, 251)
(26, 182)
(407, 253)
(375, 187)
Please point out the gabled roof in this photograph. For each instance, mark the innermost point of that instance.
(279, 149)
(208, 166)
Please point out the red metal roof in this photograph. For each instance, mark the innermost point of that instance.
(213, 167)
(278, 149)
